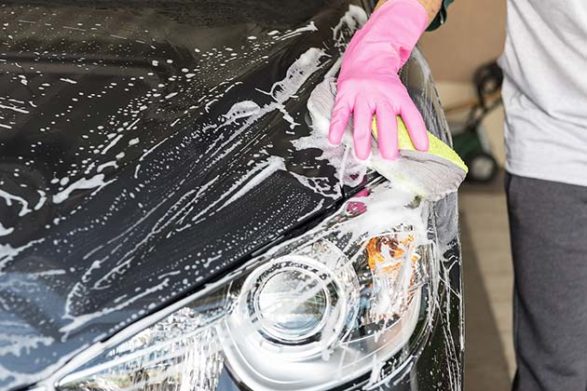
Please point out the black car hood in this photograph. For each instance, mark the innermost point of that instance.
(145, 149)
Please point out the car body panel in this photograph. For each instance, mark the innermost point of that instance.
(147, 148)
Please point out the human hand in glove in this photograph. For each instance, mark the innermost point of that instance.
(369, 85)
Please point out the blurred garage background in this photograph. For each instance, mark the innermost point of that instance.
(473, 36)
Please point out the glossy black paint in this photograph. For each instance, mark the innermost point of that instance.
(136, 96)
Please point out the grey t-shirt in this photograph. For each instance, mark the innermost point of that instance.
(545, 90)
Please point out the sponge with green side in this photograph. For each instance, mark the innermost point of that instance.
(432, 174)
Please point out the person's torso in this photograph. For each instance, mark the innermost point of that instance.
(545, 89)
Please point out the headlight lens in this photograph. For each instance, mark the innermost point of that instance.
(350, 297)
(285, 316)
(292, 300)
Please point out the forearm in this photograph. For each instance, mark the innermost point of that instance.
(432, 7)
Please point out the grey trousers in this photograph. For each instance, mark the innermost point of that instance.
(548, 224)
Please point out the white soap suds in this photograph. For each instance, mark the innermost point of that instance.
(310, 27)
(96, 181)
(70, 81)
(271, 166)
(5, 230)
(10, 198)
(13, 108)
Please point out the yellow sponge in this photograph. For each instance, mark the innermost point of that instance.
(437, 147)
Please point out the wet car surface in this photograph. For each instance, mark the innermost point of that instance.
(150, 149)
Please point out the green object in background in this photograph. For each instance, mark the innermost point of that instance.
(469, 139)
(482, 165)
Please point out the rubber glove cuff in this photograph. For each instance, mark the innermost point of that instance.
(393, 31)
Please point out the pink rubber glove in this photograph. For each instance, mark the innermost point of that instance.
(369, 84)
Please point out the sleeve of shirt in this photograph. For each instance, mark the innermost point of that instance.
(441, 17)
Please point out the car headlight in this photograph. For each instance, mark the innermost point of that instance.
(349, 298)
